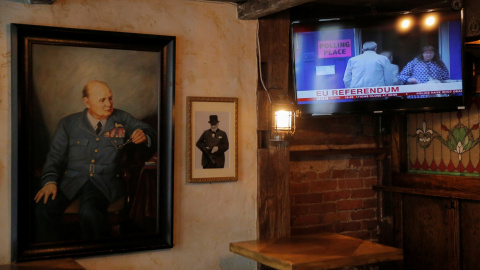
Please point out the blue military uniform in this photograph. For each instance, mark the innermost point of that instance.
(78, 157)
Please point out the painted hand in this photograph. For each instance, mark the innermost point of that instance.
(45, 192)
(138, 136)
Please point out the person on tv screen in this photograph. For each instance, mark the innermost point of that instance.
(426, 67)
(393, 69)
(368, 69)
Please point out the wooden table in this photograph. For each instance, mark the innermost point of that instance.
(58, 264)
(315, 251)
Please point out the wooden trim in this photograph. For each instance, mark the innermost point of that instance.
(306, 154)
(399, 143)
(256, 9)
(430, 193)
(59, 264)
(40, 2)
(452, 183)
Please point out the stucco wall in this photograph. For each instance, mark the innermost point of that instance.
(215, 57)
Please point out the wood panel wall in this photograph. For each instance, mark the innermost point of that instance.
(273, 157)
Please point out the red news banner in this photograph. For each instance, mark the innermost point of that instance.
(381, 92)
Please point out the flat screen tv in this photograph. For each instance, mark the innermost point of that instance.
(417, 63)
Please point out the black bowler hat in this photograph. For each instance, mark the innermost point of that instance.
(213, 119)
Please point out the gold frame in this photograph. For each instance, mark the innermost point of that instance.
(202, 106)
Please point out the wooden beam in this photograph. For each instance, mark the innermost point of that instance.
(41, 2)
(272, 157)
(255, 9)
(472, 22)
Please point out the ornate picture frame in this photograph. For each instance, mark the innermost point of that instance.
(50, 67)
(212, 136)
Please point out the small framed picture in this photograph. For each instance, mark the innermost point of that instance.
(212, 139)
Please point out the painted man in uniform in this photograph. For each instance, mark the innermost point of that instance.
(83, 161)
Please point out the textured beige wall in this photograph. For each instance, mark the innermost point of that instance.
(215, 57)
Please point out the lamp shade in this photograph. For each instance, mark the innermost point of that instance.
(283, 120)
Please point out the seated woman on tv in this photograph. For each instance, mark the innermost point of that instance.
(426, 67)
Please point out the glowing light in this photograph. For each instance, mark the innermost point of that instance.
(406, 23)
(283, 120)
(430, 21)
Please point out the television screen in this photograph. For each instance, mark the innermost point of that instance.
(379, 63)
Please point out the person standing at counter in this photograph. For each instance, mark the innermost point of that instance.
(368, 69)
(426, 67)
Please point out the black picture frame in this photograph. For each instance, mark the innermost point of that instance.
(27, 128)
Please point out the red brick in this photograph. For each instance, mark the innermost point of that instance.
(364, 173)
(301, 231)
(373, 172)
(363, 193)
(335, 217)
(298, 210)
(370, 182)
(348, 226)
(349, 204)
(310, 176)
(350, 183)
(320, 186)
(326, 228)
(369, 162)
(325, 175)
(365, 235)
(370, 203)
(295, 176)
(307, 220)
(336, 195)
(322, 208)
(369, 224)
(355, 162)
(308, 198)
(363, 214)
(350, 173)
(298, 188)
(338, 174)
(312, 229)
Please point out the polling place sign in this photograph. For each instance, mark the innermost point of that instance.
(334, 48)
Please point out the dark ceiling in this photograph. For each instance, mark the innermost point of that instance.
(335, 8)
(342, 8)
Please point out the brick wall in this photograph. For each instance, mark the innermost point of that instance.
(334, 193)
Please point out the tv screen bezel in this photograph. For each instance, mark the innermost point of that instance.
(380, 106)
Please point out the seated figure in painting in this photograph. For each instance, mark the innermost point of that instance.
(83, 162)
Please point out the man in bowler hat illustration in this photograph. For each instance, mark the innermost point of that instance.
(213, 143)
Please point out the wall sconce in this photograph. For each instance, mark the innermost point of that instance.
(283, 123)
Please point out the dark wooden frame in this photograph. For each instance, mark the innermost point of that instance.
(23, 37)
